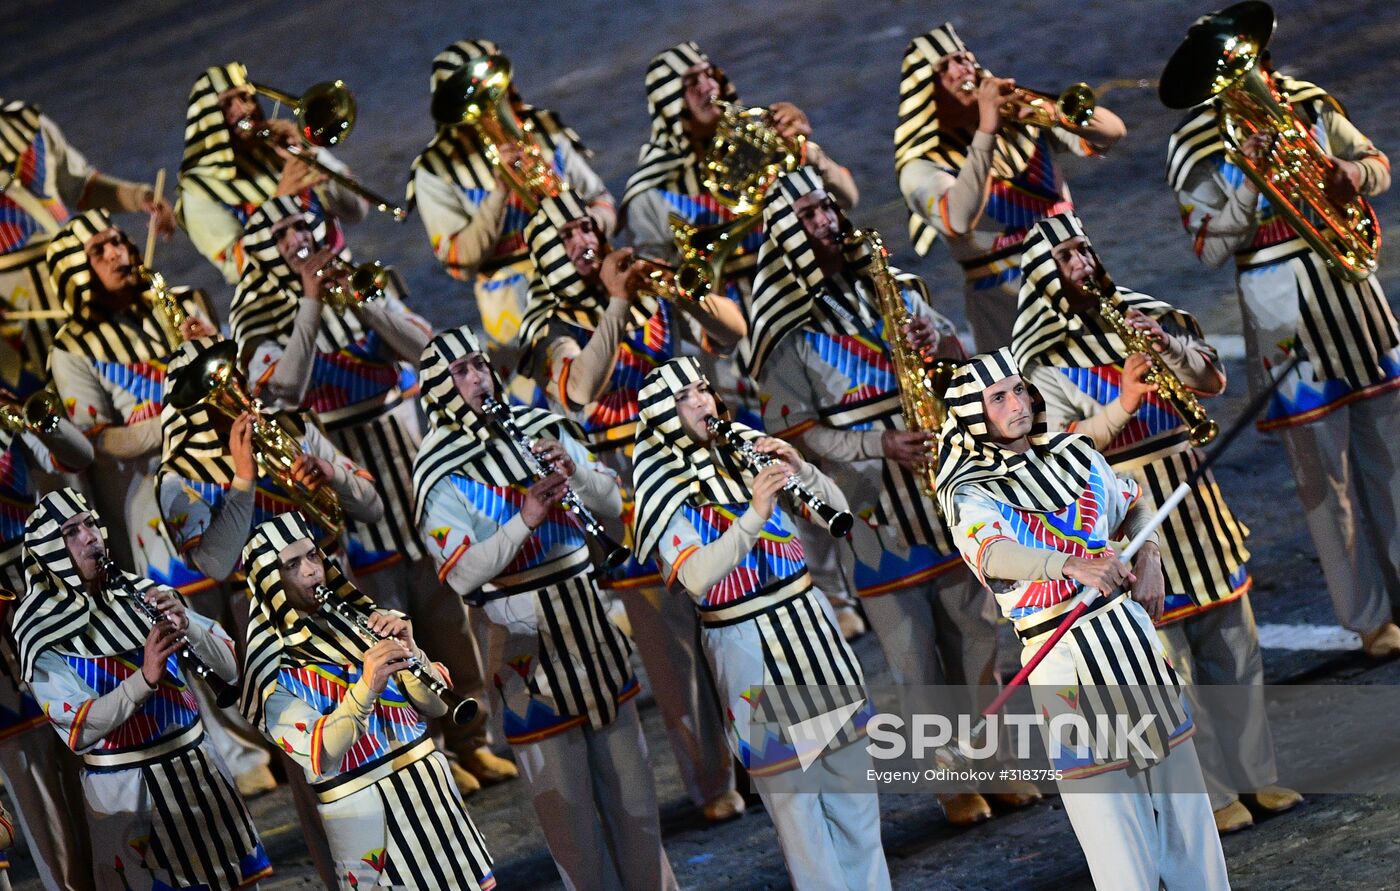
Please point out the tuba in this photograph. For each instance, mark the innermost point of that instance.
(921, 384)
(1220, 60)
(478, 95)
(1201, 427)
(212, 379)
(325, 114)
(40, 413)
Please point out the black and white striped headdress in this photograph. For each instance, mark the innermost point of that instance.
(56, 611)
(192, 446)
(458, 437)
(19, 123)
(266, 298)
(667, 158)
(669, 466)
(69, 268)
(1046, 329)
(918, 134)
(454, 153)
(278, 634)
(210, 163)
(1046, 477)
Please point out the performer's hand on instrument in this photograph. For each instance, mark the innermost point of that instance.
(240, 446)
(1104, 573)
(789, 120)
(383, 661)
(164, 600)
(194, 328)
(922, 335)
(541, 498)
(767, 483)
(162, 641)
(396, 627)
(1343, 181)
(161, 213)
(297, 176)
(1150, 589)
(1134, 386)
(512, 157)
(1144, 323)
(991, 95)
(784, 451)
(907, 448)
(284, 133)
(313, 282)
(312, 472)
(1257, 146)
(621, 276)
(554, 454)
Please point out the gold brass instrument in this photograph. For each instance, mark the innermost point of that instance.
(704, 250)
(746, 156)
(211, 379)
(922, 383)
(352, 285)
(325, 114)
(1201, 427)
(1220, 59)
(165, 305)
(1073, 107)
(40, 413)
(478, 95)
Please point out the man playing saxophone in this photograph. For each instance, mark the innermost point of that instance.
(1095, 382)
(822, 353)
(1339, 408)
(975, 178)
(475, 221)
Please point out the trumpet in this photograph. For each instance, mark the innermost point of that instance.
(165, 305)
(40, 413)
(1201, 428)
(613, 553)
(325, 113)
(225, 694)
(210, 378)
(838, 522)
(350, 285)
(460, 709)
(478, 95)
(1072, 108)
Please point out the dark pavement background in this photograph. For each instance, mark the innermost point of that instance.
(116, 77)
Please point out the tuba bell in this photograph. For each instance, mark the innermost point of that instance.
(1220, 60)
(212, 379)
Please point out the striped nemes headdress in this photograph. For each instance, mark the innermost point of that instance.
(1043, 479)
(19, 124)
(210, 163)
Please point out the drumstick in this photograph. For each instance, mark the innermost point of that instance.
(150, 251)
(26, 314)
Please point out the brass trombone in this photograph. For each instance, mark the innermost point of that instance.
(325, 113)
(40, 413)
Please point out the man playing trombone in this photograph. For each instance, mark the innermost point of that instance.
(228, 170)
(977, 178)
(503, 539)
(165, 812)
(351, 715)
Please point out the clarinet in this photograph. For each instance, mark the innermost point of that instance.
(225, 694)
(838, 522)
(614, 554)
(460, 709)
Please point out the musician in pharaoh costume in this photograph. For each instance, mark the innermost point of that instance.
(1143, 821)
(43, 181)
(818, 347)
(163, 810)
(1338, 410)
(559, 665)
(227, 173)
(354, 719)
(343, 366)
(974, 177)
(476, 221)
(41, 775)
(722, 539)
(1095, 384)
(594, 327)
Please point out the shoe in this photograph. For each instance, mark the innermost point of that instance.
(488, 767)
(467, 784)
(1232, 818)
(965, 808)
(850, 622)
(723, 807)
(1383, 643)
(255, 782)
(1274, 799)
(1025, 795)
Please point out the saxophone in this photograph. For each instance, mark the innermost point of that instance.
(165, 305)
(1201, 427)
(921, 383)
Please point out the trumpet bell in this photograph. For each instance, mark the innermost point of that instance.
(326, 113)
(1218, 50)
(473, 91)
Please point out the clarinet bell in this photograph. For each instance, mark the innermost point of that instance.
(838, 523)
(226, 695)
(614, 555)
(463, 711)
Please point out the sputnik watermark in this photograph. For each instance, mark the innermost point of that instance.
(1115, 737)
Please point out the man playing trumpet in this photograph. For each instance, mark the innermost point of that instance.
(352, 716)
(976, 178)
(1096, 383)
